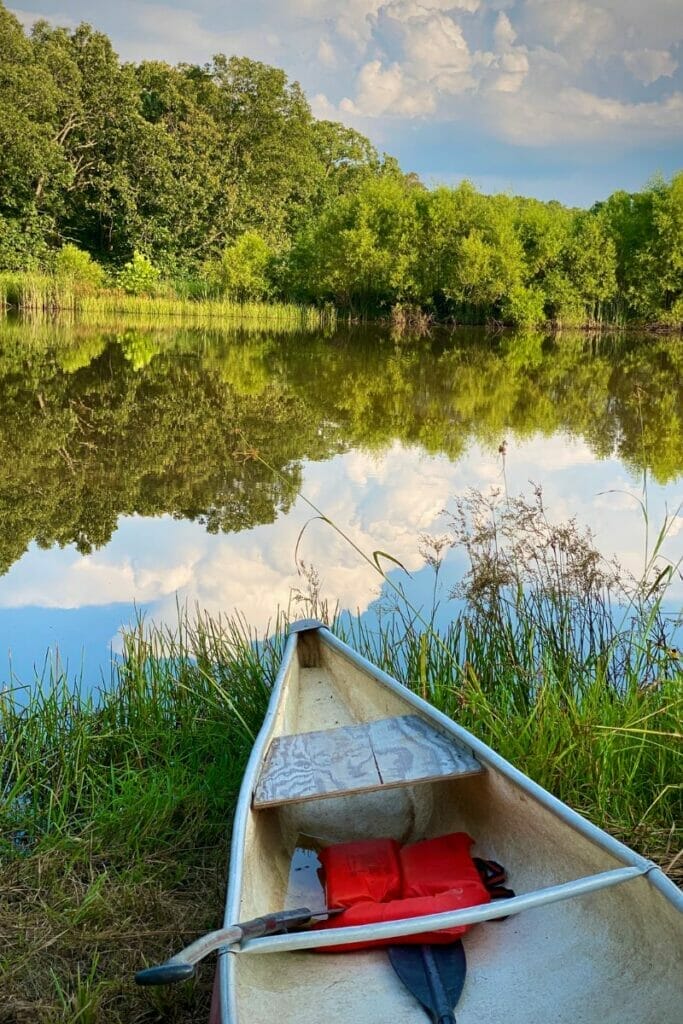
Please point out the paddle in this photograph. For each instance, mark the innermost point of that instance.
(183, 965)
(434, 974)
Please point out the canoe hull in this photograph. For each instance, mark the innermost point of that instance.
(610, 956)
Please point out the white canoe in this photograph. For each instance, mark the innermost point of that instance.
(596, 931)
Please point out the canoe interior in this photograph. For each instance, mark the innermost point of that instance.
(612, 956)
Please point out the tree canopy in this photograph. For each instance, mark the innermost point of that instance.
(220, 175)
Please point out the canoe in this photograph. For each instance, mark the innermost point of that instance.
(594, 933)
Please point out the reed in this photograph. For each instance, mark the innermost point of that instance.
(38, 293)
(34, 292)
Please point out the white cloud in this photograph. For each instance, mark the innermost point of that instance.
(571, 115)
(530, 82)
(383, 91)
(29, 18)
(577, 28)
(326, 54)
(435, 43)
(676, 526)
(182, 34)
(322, 108)
(649, 65)
(504, 34)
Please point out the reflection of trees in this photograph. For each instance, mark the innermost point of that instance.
(81, 446)
(105, 424)
(622, 395)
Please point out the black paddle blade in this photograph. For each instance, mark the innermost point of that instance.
(165, 974)
(434, 974)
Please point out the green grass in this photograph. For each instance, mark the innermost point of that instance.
(44, 293)
(116, 811)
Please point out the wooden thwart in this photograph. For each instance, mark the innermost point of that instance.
(355, 758)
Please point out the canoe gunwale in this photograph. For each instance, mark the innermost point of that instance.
(487, 756)
(633, 865)
(226, 990)
(435, 922)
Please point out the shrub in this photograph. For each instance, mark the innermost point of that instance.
(563, 301)
(74, 265)
(244, 268)
(140, 276)
(523, 307)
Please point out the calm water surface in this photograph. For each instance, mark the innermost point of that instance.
(127, 477)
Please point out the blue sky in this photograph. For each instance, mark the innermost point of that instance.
(565, 99)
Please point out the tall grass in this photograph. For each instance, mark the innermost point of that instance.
(612, 751)
(276, 313)
(116, 808)
(32, 292)
(115, 819)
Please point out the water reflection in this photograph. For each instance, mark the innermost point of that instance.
(136, 448)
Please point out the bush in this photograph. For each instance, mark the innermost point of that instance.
(74, 265)
(244, 268)
(523, 307)
(140, 276)
(563, 301)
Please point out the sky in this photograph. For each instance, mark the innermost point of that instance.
(558, 99)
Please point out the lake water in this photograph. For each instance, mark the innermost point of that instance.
(128, 480)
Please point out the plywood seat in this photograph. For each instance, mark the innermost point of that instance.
(375, 755)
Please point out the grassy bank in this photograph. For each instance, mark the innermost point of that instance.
(46, 293)
(116, 813)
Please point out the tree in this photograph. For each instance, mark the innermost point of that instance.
(591, 263)
(33, 171)
(358, 253)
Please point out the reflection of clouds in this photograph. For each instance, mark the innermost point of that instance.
(382, 502)
(676, 526)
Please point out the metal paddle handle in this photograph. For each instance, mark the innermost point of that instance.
(183, 965)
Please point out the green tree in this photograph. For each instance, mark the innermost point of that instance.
(358, 253)
(591, 264)
(33, 171)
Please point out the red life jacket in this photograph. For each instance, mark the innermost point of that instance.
(376, 880)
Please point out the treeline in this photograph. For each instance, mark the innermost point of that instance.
(217, 181)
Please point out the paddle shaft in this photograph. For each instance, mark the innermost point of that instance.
(182, 966)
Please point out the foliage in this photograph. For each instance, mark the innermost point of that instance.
(140, 276)
(358, 252)
(524, 307)
(74, 265)
(243, 271)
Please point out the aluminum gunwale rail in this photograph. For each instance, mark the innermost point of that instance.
(227, 998)
(451, 919)
(487, 756)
